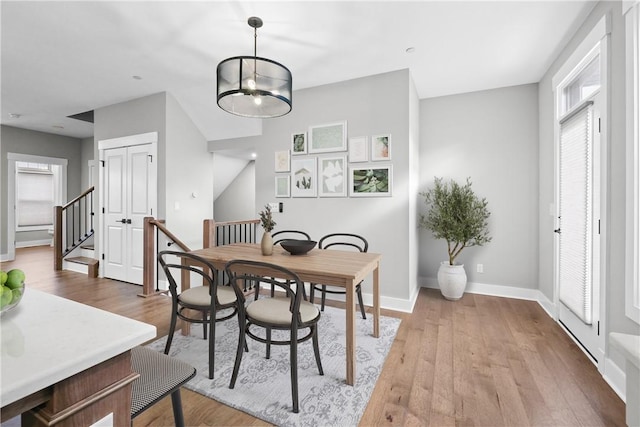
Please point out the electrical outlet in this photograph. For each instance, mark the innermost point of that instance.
(480, 268)
(274, 207)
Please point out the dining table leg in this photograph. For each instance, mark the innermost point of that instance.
(351, 333)
(376, 301)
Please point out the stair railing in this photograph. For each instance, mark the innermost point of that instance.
(72, 225)
(151, 232)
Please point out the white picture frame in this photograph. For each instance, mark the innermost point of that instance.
(298, 143)
(282, 161)
(358, 149)
(365, 180)
(328, 138)
(332, 176)
(381, 147)
(304, 177)
(283, 186)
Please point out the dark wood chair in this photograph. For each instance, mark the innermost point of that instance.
(206, 300)
(281, 235)
(285, 311)
(340, 241)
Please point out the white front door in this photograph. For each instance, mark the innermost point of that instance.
(578, 256)
(129, 195)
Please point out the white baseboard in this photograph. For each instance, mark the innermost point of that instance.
(500, 291)
(32, 243)
(615, 377)
(6, 257)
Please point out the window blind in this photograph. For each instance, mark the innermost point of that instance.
(34, 199)
(576, 217)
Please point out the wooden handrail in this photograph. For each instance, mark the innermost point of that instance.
(169, 234)
(78, 198)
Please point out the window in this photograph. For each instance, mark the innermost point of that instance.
(34, 196)
(632, 24)
(583, 85)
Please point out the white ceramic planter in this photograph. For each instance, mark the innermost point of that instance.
(452, 280)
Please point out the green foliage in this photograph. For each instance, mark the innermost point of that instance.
(267, 219)
(457, 215)
(371, 180)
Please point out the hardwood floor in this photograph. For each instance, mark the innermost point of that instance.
(480, 361)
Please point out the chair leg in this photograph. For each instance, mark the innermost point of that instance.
(323, 297)
(172, 328)
(176, 402)
(268, 331)
(316, 349)
(359, 292)
(204, 325)
(212, 345)
(312, 291)
(294, 369)
(241, 346)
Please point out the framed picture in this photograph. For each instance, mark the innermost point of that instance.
(283, 184)
(282, 161)
(358, 149)
(299, 143)
(304, 177)
(327, 138)
(370, 181)
(332, 177)
(381, 147)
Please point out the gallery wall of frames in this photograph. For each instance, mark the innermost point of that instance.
(324, 162)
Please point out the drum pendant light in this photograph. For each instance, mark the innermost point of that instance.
(250, 86)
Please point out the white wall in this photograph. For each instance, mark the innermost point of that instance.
(491, 137)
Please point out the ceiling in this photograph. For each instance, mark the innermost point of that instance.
(62, 58)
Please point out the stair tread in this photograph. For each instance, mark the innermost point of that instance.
(82, 260)
(89, 247)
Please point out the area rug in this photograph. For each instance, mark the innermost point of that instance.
(263, 388)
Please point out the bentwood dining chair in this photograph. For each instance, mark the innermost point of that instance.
(286, 311)
(206, 300)
(281, 235)
(340, 241)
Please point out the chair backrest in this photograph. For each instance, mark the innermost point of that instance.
(240, 271)
(344, 240)
(281, 235)
(172, 269)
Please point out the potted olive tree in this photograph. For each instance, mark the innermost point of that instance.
(457, 215)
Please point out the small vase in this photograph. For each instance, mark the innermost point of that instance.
(266, 244)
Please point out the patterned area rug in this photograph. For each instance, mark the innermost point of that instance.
(263, 388)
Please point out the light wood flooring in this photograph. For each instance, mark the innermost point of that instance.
(480, 361)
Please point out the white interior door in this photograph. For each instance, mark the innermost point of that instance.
(129, 195)
(578, 255)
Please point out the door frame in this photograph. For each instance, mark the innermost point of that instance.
(12, 158)
(598, 38)
(107, 144)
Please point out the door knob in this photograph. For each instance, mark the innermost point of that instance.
(124, 221)
(557, 230)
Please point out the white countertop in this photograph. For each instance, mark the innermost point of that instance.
(46, 339)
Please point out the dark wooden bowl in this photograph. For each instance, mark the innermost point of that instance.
(298, 247)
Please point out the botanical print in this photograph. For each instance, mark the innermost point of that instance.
(358, 150)
(326, 138)
(332, 177)
(381, 147)
(303, 177)
(299, 143)
(282, 161)
(373, 181)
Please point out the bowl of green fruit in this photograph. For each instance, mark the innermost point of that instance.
(11, 289)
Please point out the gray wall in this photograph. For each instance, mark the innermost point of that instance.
(372, 105)
(616, 186)
(491, 137)
(87, 153)
(237, 201)
(189, 176)
(22, 141)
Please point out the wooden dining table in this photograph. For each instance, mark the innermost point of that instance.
(344, 269)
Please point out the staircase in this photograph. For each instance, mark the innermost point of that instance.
(73, 236)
